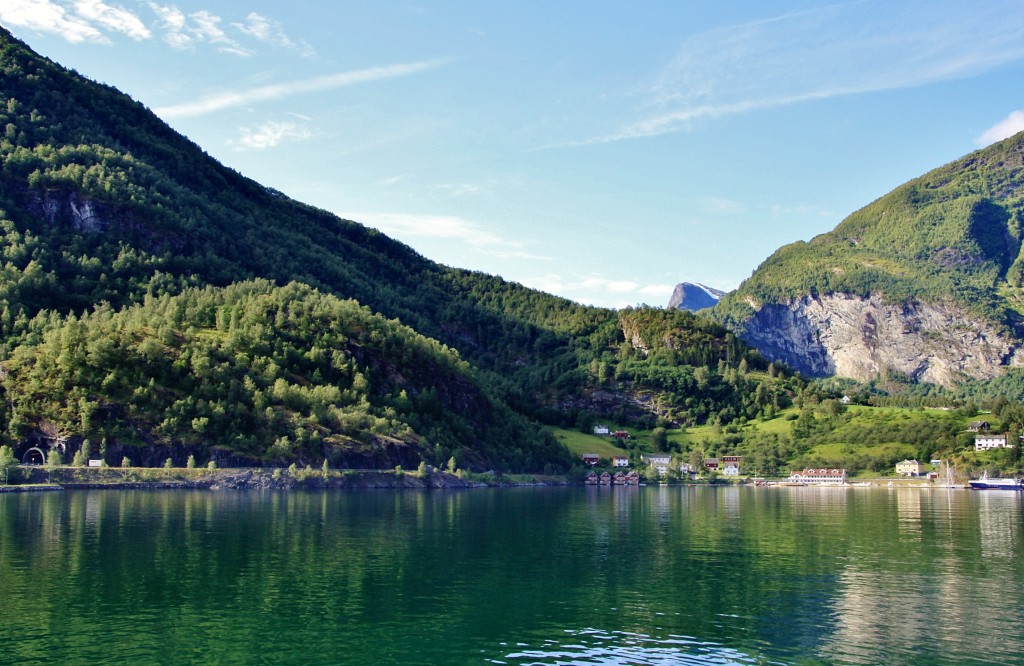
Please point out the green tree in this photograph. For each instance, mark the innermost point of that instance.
(7, 462)
(53, 463)
(659, 439)
(191, 462)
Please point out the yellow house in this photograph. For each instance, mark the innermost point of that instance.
(909, 468)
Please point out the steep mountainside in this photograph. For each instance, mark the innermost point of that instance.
(694, 297)
(924, 282)
(105, 210)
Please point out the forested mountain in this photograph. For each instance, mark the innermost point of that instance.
(924, 283)
(153, 299)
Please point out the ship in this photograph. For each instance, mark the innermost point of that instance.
(985, 483)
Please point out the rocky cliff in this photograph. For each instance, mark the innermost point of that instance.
(861, 338)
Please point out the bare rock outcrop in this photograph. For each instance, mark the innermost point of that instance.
(860, 338)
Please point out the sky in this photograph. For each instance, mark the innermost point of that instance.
(600, 151)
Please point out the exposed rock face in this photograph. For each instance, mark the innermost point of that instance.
(860, 338)
(694, 296)
(83, 214)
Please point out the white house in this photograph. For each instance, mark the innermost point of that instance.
(731, 469)
(659, 461)
(620, 461)
(601, 430)
(986, 442)
(819, 477)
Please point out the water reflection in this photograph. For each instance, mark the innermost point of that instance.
(669, 575)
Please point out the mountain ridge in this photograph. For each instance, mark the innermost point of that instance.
(949, 242)
(694, 297)
(106, 213)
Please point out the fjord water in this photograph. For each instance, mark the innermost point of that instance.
(668, 575)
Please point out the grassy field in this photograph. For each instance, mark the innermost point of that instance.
(579, 443)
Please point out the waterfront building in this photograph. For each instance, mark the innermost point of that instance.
(909, 468)
(819, 476)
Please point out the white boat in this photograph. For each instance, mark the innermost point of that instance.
(985, 483)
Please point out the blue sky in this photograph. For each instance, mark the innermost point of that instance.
(602, 151)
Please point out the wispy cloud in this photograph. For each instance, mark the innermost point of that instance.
(843, 49)
(263, 29)
(271, 134)
(720, 206)
(229, 99)
(1004, 129)
(184, 31)
(445, 227)
(77, 22)
(113, 17)
(600, 289)
(459, 189)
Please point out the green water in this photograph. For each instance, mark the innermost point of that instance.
(517, 576)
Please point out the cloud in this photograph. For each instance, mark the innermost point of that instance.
(78, 21)
(1004, 129)
(445, 227)
(826, 52)
(271, 134)
(49, 17)
(265, 30)
(459, 190)
(113, 18)
(593, 289)
(720, 206)
(230, 99)
(183, 31)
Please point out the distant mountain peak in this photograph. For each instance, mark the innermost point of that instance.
(694, 296)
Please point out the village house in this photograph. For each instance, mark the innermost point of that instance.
(601, 430)
(909, 468)
(620, 461)
(687, 468)
(591, 459)
(632, 478)
(986, 442)
(620, 434)
(730, 465)
(605, 479)
(659, 461)
(591, 478)
(819, 477)
(978, 426)
(619, 479)
(711, 464)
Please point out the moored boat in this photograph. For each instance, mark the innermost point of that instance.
(985, 483)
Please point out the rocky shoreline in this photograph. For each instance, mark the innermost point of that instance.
(264, 479)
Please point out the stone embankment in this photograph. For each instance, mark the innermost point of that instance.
(263, 479)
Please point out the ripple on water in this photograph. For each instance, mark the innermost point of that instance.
(596, 646)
